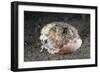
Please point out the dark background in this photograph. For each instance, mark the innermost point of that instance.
(34, 22)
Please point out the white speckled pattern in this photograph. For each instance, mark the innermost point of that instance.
(53, 35)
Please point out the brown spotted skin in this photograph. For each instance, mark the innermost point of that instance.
(65, 50)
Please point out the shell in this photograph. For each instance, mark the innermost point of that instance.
(60, 37)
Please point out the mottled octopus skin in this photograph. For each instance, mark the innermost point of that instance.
(68, 45)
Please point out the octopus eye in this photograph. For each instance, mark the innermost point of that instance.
(65, 30)
(45, 41)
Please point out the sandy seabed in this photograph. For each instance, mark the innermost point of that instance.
(34, 22)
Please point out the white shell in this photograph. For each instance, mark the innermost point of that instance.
(74, 43)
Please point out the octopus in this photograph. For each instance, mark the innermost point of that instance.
(60, 38)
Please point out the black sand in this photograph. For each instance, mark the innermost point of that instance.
(33, 23)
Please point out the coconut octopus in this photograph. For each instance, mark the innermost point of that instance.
(60, 38)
